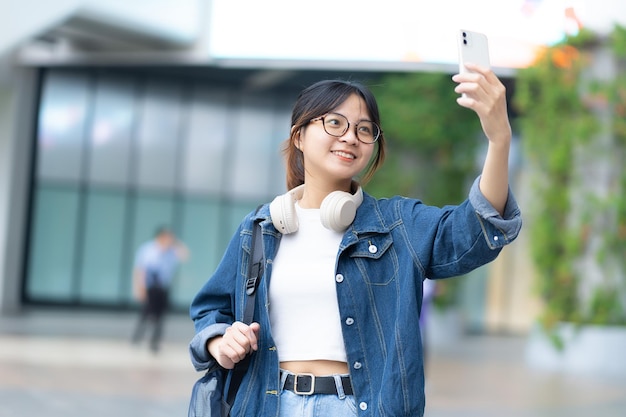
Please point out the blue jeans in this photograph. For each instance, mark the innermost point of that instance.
(294, 405)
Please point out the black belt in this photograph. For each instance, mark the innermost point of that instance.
(308, 384)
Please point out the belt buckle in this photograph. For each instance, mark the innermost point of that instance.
(295, 384)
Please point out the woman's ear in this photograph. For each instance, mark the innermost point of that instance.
(295, 134)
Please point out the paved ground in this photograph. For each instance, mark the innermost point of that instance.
(67, 364)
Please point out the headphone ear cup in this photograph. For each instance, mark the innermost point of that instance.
(283, 211)
(338, 210)
(283, 214)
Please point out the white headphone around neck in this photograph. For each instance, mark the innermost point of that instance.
(337, 211)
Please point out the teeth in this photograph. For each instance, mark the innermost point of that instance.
(344, 154)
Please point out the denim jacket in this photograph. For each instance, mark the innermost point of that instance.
(384, 256)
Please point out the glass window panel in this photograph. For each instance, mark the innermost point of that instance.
(277, 183)
(255, 149)
(61, 129)
(159, 135)
(53, 242)
(150, 212)
(111, 132)
(101, 273)
(203, 166)
(235, 213)
(201, 233)
(230, 161)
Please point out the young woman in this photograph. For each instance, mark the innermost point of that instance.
(336, 330)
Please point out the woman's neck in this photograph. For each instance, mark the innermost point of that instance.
(315, 193)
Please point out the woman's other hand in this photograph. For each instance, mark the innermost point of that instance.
(238, 341)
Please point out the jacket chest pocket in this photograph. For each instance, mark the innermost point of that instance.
(376, 259)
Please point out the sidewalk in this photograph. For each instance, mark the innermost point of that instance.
(486, 376)
(70, 365)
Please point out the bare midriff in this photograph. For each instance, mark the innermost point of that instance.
(317, 367)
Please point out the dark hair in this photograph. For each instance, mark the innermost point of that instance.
(163, 230)
(317, 100)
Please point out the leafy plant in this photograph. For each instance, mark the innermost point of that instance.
(558, 119)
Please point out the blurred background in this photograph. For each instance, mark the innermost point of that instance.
(120, 116)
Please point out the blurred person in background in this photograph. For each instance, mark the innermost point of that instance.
(156, 264)
(336, 328)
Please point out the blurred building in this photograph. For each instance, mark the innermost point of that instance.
(115, 121)
(118, 116)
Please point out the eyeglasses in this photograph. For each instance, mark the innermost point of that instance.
(337, 125)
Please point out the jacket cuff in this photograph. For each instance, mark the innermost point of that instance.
(498, 230)
(200, 356)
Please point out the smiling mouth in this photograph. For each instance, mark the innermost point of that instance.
(344, 154)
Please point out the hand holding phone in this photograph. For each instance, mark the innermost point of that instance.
(474, 48)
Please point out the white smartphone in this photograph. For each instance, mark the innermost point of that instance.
(474, 48)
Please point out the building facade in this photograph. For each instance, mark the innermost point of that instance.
(113, 123)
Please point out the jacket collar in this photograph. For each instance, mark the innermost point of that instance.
(368, 218)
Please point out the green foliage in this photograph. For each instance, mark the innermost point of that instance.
(432, 144)
(617, 99)
(606, 307)
(556, 106)
(618, 39)
(432, 141)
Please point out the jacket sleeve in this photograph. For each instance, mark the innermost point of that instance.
(498, 230)
(454, 240)
(212, 309)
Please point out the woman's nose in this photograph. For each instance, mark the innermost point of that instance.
(350, 136)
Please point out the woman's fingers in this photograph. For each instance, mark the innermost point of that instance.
(239, 340)
(483, 92)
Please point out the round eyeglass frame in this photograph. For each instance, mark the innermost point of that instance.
(356, 127)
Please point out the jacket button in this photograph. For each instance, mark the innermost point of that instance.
(495, 238)
(357, 365)
(349, 321)
(372, 249)
(363, 406)
(339, 278)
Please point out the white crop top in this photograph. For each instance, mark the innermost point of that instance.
(304, 312)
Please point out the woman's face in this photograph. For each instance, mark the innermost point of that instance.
(336, 160)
